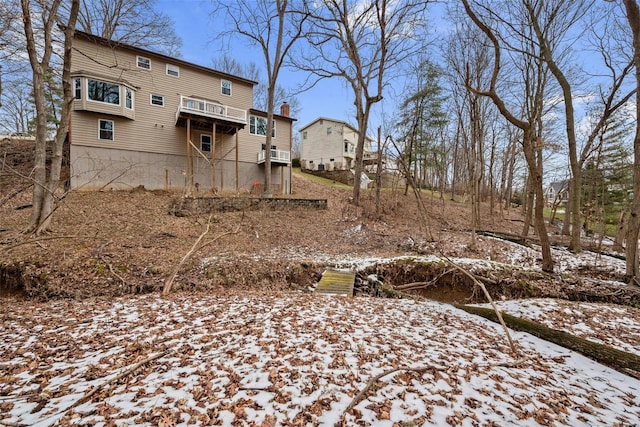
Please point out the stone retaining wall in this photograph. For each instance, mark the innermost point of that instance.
(185, 206)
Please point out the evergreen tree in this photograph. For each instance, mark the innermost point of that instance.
(421, 120)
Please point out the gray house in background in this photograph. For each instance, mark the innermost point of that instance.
(557, 192)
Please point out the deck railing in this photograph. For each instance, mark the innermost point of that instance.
(211, 109)
(279, 156)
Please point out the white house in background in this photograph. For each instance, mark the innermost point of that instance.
(329, 144)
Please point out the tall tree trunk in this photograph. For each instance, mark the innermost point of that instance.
(566, 223)
(53, 179)
(535, 171)
(40, 53)
(363, 120)
(633, 226)
(527, 205)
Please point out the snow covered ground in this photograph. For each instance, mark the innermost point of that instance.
(299, 359)
(615, 326)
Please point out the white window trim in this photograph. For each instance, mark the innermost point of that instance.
(174, 68)
(77, 86)
(138, 58)
(113, 130)
(133, 102)
(273, 131)
(86, 89)
(210, 142)
(222, 82)
(151, 95)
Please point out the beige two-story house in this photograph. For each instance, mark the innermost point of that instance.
(143, 118)
(329, 144)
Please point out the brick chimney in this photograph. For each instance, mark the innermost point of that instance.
(284, 109)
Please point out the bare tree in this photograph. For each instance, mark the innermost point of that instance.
(531, 139)
(134, 22)
(633, 227)
(361, 41)
(273, 26)
(17, 108)
(551, 21)
(252, 71)
(46, 182)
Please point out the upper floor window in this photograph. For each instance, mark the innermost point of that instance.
(226, 87)
(77, 87)
(157, 100)
(205, 143)
(103, 91)
(258, 126)
(304, 135)
(329, 130)
(128, 98)
(143, 62)
(173, 70)
(106, 130)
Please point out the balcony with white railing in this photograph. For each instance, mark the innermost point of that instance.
(277, 156)
(213, 110)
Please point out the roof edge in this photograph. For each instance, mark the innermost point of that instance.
(116, 44)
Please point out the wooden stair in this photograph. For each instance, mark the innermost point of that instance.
(336, 282)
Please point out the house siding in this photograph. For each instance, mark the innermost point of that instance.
(148, 148)
(153, 129)
(320, 147)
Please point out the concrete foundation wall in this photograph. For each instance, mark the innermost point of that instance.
(95, 168)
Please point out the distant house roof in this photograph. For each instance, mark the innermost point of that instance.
(331, 120)
(341, 122)
(558, 186)
(110, 43)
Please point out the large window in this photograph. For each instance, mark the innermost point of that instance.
(103, 91)
(258, 126)
(157, 100)
(226, 87)
(205, 143)
(105, 130)
(173, 70)
(143, 62)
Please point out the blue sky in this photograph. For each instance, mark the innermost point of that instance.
(193, 23)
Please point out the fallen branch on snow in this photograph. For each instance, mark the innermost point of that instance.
(196, 247)
(88, 395)
(622, 361)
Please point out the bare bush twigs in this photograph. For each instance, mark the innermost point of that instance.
(38, 240)
(360, 396)
(196, 247)
(514, 348)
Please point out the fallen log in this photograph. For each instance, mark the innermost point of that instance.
(621, 361)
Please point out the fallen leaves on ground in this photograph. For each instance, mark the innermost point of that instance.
(289, 359)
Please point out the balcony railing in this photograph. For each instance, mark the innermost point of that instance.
(277, 156)
(211, 109)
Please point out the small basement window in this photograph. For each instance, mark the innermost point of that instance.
(106, 130)
(205, 143)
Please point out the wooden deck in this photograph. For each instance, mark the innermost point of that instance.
(336, 282)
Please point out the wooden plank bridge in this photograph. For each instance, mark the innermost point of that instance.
(337, 282)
